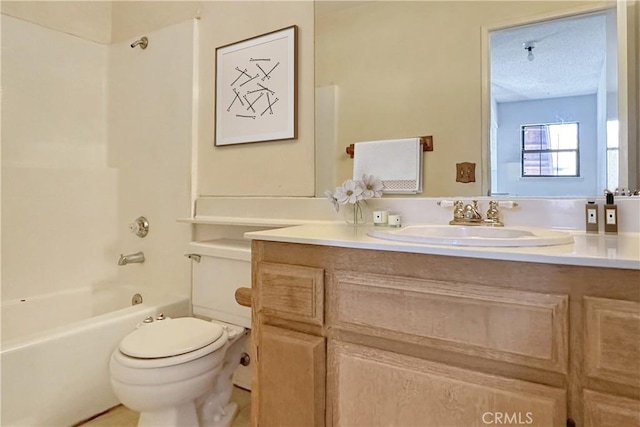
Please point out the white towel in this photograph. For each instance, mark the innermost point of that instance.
(396, 162)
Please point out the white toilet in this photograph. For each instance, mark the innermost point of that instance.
(178, 372)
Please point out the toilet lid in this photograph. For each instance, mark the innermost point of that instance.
(170, 337)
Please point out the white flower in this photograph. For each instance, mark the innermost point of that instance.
(332, 199)
(350, 192)
(372, 186)
(354, 191)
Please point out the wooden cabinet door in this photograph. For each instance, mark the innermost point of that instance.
(612, 346)
(371, 387)
(291, 379)
(607, 410)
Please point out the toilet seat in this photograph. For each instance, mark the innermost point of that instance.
(170, 342)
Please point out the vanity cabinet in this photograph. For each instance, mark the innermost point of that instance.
(290, 359)
(351, 337)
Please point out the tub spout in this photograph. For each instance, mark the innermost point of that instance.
(131, 258)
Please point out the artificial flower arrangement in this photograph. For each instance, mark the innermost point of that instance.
(355, 193)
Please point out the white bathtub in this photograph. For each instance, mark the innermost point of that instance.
(55, 351)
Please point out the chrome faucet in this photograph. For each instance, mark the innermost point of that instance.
(469, 214)
(138, 257)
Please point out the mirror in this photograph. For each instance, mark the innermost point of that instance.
(404, 69)
(554, 116)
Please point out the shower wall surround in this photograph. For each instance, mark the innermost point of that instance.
(149, 123)
(94, 135)
(59, 205)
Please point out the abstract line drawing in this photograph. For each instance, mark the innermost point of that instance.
(250, 107)
(269, 106)
(234, 99)
(267, 89)
(255, 89)
(261, 89)
(242, 73)
(252, 78)
(268, 75)
(263, 71)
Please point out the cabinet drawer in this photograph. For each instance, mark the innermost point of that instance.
(525, 328)
(371, 387)
(291, 292)
(607, 410)
(612, 346)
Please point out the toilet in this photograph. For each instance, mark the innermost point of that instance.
(180, 371)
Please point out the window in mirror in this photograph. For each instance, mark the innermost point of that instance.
(613, 153)
(550, 150)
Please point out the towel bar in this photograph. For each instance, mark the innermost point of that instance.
(425, 141)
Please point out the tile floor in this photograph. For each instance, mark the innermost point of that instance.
(121, 416)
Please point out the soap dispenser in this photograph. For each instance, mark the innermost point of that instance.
(610, 215)
(591, 217)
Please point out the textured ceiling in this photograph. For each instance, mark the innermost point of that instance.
(569, 57)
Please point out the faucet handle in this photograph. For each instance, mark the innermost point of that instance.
(458, 210)
(493, 213)
(509, 204)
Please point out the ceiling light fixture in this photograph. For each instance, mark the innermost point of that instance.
(529, 46)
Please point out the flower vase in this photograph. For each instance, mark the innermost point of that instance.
(357, 214)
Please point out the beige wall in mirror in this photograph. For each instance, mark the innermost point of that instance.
(394, 69)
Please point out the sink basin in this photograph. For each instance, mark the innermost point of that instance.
(460, 235)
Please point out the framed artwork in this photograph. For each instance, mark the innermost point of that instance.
(256, 91)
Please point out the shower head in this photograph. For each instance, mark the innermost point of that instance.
(143, 43)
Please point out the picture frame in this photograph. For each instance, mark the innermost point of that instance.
(256, 89)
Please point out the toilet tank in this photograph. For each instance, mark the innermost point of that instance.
(224, 265)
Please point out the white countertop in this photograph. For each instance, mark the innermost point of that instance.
(592, 250)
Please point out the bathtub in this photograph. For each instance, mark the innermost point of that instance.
(55, 351)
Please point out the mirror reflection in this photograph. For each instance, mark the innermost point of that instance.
(400, 69)
(553, 96)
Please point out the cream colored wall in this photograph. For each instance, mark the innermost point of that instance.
(133, 19)
(405, 69)
(278, 168)
(90, 20)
